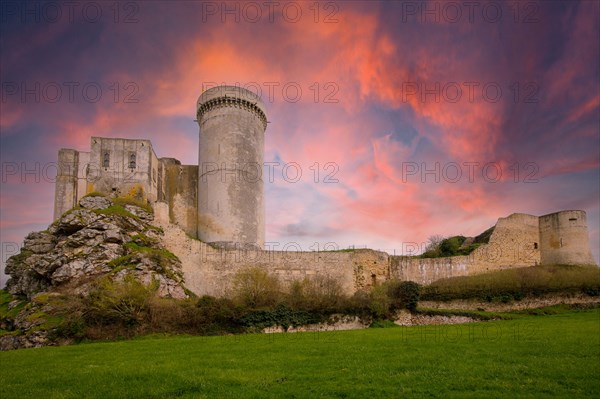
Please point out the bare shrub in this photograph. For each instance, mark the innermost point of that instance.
(254, 287)
(319, 293)
(126, 302)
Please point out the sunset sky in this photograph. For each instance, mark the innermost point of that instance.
(498, 102)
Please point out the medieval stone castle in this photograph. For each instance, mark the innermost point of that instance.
(214, 219)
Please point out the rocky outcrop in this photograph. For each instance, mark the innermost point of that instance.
(100, 238)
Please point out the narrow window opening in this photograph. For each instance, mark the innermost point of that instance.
(535, 245)
(373, 279)
(132, 161)
(572, 219)
(106, 160)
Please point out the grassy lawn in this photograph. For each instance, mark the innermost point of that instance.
(529, 357)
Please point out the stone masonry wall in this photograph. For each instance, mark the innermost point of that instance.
(207, 270)
(179, 189)
(514, 243)
(210, 271)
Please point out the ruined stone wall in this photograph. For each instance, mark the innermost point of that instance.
(513, 243)
(72, 179)
(208, 270)
(65, 193)
(114, 172)
(83, 180)
(179, 189)
(564, 239)
(426, 271)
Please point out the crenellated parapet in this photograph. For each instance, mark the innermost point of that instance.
(232, 102)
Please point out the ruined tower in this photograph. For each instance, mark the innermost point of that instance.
(564, 239)
(232, 124)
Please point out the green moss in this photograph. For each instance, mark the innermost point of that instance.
(144, 240)
(121, 262)
(161, 257)
(6, 332)
(37, 316)
(21, 256)
(46, 321)
(131, 201)
(5, 299)
(163, 253)
(154, 228)
(95, 194)
(43, 299)
(115, 210)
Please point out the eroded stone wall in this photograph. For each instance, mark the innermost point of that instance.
(513, 243)
(208, 270)
(123, 167)
(179, 189)
(65, 192)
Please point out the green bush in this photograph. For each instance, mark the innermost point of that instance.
(282, 315)
(218, 316)
(385, 299)
(403, 294)
(380, 302)
(450, 246)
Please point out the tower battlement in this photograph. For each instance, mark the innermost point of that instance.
(231, 96)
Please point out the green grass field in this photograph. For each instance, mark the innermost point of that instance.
(529, 357)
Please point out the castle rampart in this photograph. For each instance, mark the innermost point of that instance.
(220, 201)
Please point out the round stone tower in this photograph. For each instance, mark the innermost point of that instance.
(564, 239)
(232, 124)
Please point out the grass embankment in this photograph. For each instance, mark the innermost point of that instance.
(516, 284)
(533, 357)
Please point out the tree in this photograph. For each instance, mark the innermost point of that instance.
(432, 250)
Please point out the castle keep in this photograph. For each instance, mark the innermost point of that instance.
(220, 202)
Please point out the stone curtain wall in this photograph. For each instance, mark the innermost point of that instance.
(514, 243)
(210, 271)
